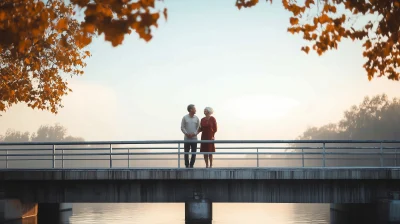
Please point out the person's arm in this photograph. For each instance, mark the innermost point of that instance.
(215, 125)
(198, 127)
(183, 126)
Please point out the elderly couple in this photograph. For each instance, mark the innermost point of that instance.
(191, 127)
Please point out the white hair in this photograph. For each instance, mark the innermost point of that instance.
(210, 110)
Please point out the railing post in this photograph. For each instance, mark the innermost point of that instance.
(323, 145)
(54, 156)
(179, 155)
(110, 155)
(62, 158)
(6, 158)
(258, 165)
(302, 157)
(129, 158)
(381, 157)
(395, 158)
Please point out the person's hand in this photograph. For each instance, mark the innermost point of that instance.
(189, 135)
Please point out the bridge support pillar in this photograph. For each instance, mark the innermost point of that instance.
(13, 209)
(353, 213)
(49, 213)
(389, 209)
(198, 210)
(65, 207)
(54, 212)
(385, 211)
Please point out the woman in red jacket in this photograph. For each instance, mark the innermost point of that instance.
(208, 127)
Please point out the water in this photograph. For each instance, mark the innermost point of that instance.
(173, 213)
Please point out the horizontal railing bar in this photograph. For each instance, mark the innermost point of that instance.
(202, 153)
(175, 148)
(200, 141)
(174, 159)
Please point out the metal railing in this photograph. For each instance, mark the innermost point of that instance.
(170, 154)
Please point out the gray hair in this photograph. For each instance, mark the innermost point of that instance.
(190, 107)
(210, 110)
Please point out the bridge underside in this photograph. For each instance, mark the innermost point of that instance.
(270, 191)
(219, 185)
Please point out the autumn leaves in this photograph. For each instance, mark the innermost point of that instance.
(42, 41)
(380, 33)
(38, 47)
(115, 18)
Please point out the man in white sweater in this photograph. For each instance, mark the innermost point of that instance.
(190, 127)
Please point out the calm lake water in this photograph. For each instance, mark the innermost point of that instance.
(173, 213)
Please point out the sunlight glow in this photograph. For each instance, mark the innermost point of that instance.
(260, 107)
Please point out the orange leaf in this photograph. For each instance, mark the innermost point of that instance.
(324, 18)
(62, 24)
(308, 3)
(90, 28)
(306, 49)
(367, 44)
(314, 36)
(117, 40)
(333, 9)
(35, 32)
(2, 15)
(294, 21)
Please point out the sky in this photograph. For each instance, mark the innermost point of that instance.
(242, 63)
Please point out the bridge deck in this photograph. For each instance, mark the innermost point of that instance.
(337, 173)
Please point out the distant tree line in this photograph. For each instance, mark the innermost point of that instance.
(376, 118)
(45, 133)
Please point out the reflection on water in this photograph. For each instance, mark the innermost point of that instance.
(174, 213)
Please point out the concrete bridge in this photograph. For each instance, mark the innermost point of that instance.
(314, 176)
(268, 185)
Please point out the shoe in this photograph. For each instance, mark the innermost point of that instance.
(191, 166)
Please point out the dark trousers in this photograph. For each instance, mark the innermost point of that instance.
(187, 147)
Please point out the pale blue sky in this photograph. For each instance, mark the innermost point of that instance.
(242, 63)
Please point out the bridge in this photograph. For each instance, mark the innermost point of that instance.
(343, 173)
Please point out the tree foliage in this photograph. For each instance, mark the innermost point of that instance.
(41, 41)
(325, 23)
(376, 118)
(45, 133)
